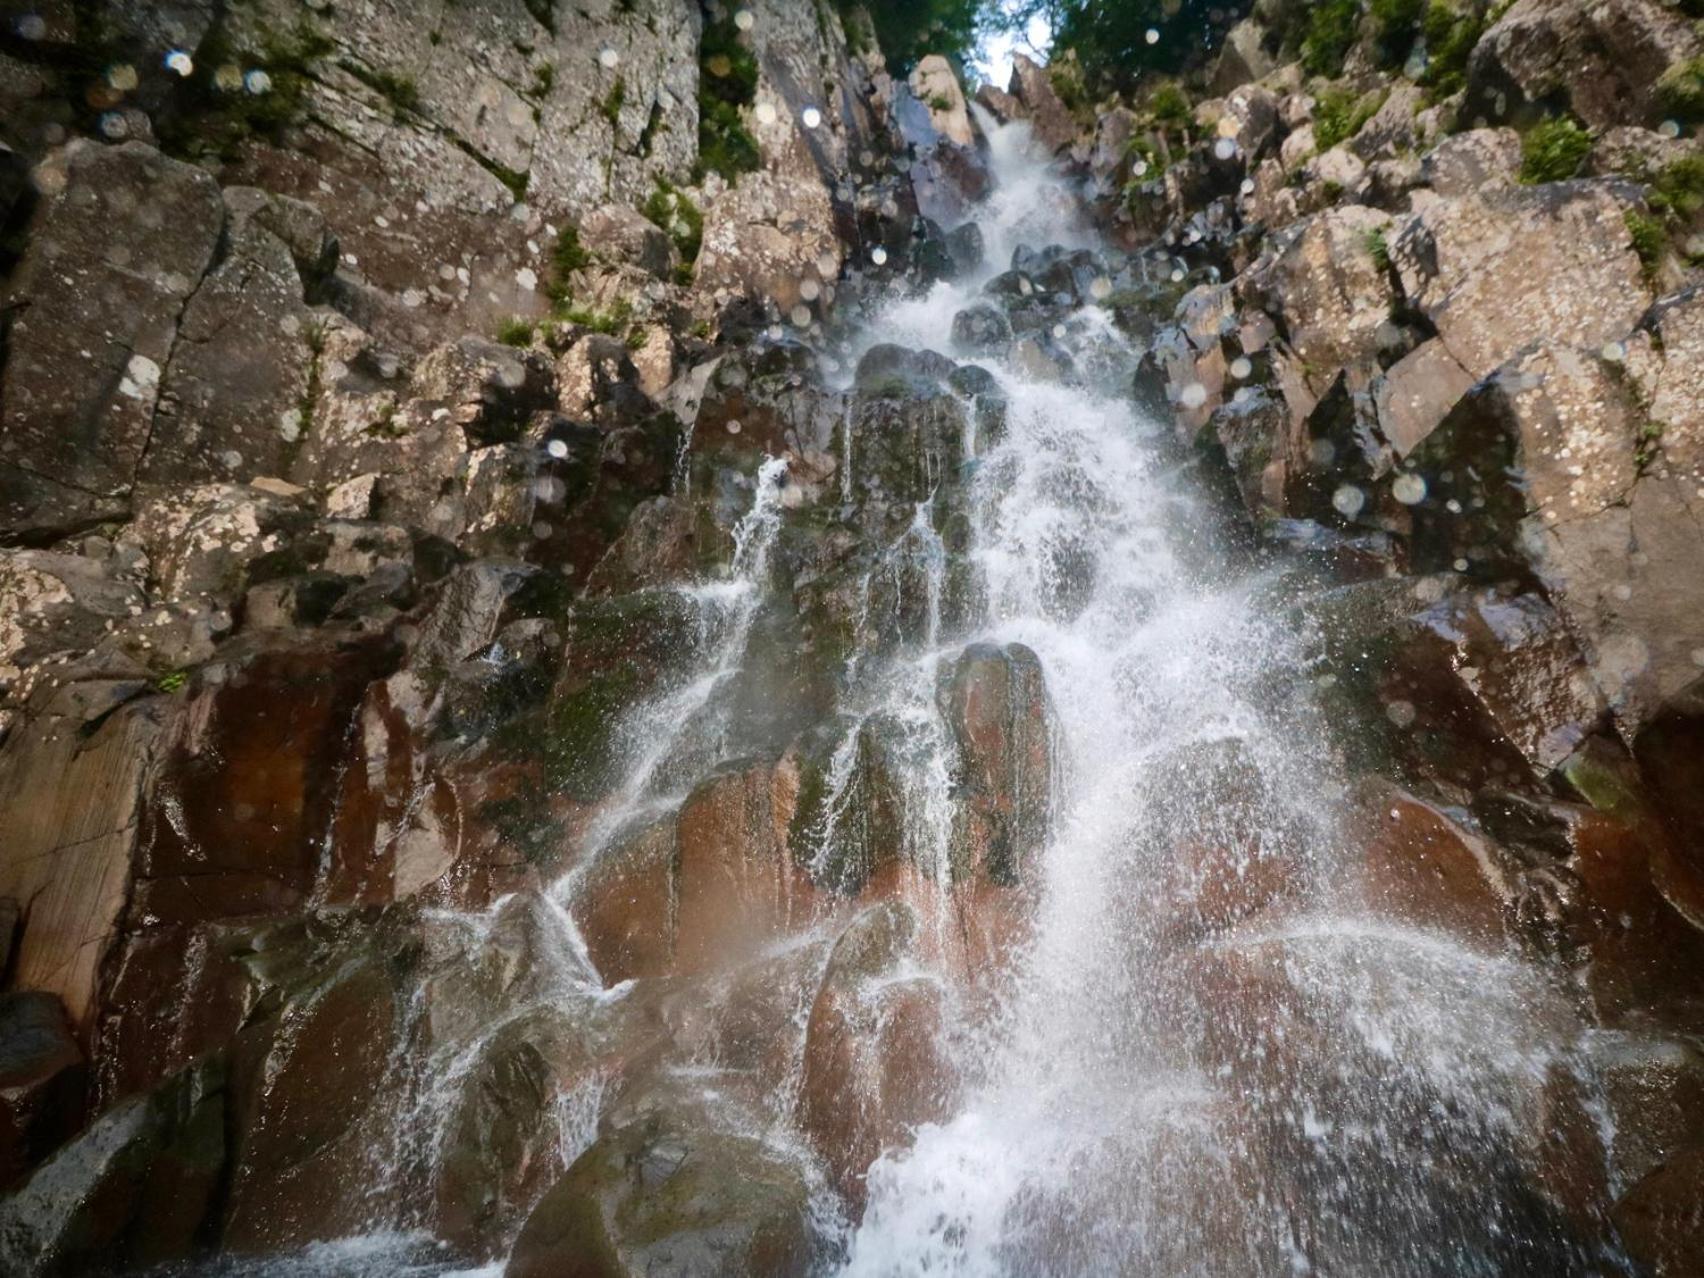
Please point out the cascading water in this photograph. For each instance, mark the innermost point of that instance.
(1206, 1054)
(1312, 1091)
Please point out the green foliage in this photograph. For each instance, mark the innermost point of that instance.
(1650, 239)
(610, 107)
(1451, 34)
(611, 323)
(1681, 91)
(1169, 105)
(173, 682)
(544, 79)
(568, 256)
(1396, 26)
(1553, 150)
(1110, 37)
(1331, 34)
(1649, 445)
(213, 120)
(1378, 248)
(516, 331)
(1339, 115)
(679, 217)
(1679, 189)
(908, 29)
(727, 84)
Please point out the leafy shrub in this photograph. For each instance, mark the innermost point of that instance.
(1681, 91)
(678, 217)
(1451, 34)
(1339, 115)
(516, 331)
(727, 84)
(1553, 150)
(1331, 34)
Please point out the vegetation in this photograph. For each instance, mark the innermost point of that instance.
(908, 29)
(568, 256)
(1331, 34)
(679, 218)
(516, 331)
(1650, 239)
(1339, 115)
(1553, 150)
(1396, 27)
(1111, 38)
(1451, 34)
(215, 117)
(727, 85)
(1681, 91)
(1378, 248)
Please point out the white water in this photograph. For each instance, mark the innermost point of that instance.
(1360, 1110)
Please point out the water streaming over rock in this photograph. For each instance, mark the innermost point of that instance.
(1179, 1042)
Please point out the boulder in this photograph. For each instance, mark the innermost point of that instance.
(1661, 1219)
(934, 84)
(1242, 57)
(135, 232)
(136, 1189)
(491, 390)
(201, 541)
(1559, 466)
(1465, 163)
(1322, 282)
(1601, 59)
(1510, 265)
(675, 1189)
(1050, 119)
(994, 701)
(41, 1080)
(623, 233)
(1417, 392)
(874, 1069)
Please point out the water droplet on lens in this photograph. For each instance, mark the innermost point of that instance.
(810, 290)
(1460, 565)
(609, 58)
(801, 316)
(557, 448)
(32, 26)
(1152, 36)
(743, 19)
(1401, 713)
(1409, 489)
(1193, 395)
(257, 82)
(1241, 367)
(1177, 275)
(114, 126)
(1348, 500)
(733, 426)
(878, 255)
(1248, 186)
(810, 117)
(1614, 352)
(765, 113)
(1100, 288)
(180, 62)
(1669, 128)
(1224, 148)
(1140, 168)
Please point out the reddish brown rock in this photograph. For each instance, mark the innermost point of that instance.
(1661, 1219)
(1429, 870)
(874, 1063)
(41, 1081)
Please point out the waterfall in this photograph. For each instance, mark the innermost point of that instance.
(1312, 1090)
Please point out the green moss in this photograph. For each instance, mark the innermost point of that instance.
(1681, 91)
(1553, 150)
(1650, 239)
(678, 217)
(727, 84)
(611, 323)
(516, 331)
(1331, 34)
(1648, 445)
(172, 682)
(544, 79)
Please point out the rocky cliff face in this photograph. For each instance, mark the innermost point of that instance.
(444, 577)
